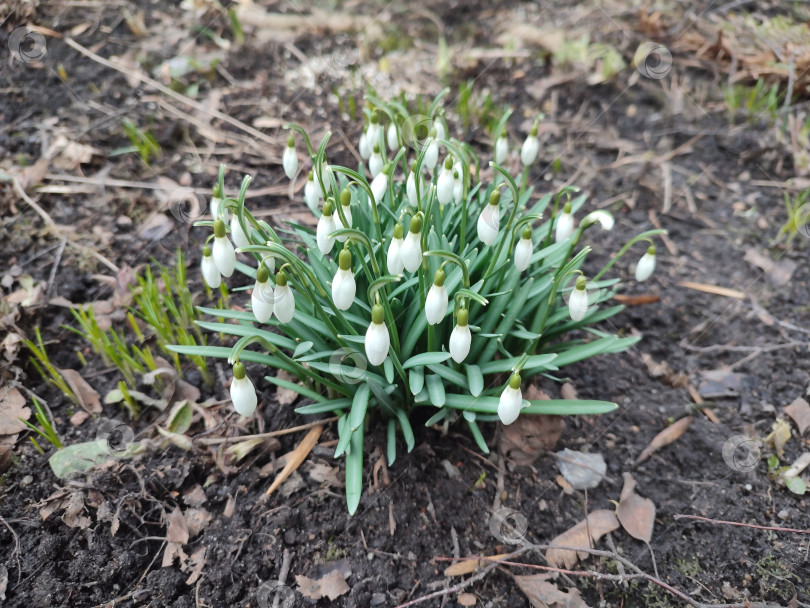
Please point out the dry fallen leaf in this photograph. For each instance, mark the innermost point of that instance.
(86, 394)
(285, 396)
(779, 436)
(331, 586)
(196, 520)
(196, 562)
(296, 457)
(195, 496)
(468, 566)
(664, 372)
(177, 529)
(799, 411)
(467, 599)
(74, 515)
(598, 523)
(530, 436)
(719, 383)
(777, 273)
(665, 437)
(542, 593)
(581, 470)
(12, 407)
(567, 391)
(636, 514)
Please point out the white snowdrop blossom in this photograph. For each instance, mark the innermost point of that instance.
(283, 299)
(238, 235)
(379, 184)
(490, 219)
(565, 224)
(410, 186)
(511, 401)
(374, 132)
(346, 207)
(411, 250)
(243, 394)
(392, 138)
(261, 299)
(436, 299)
(441, 130)
(578, 300)
(218, 210)
(363, 147)
(523, 250)
(603, 218)
(446, 182)
(432, 154)
(377, 340)
(501, 149)
(530, 148)
(646, 265)
(209, 270)
(326, 226)
(394, 258)
(223, 251)
(460, 337)
(312, 193)
(289, 160)
(344, 286)
(376, 162)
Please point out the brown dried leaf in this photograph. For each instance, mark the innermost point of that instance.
(467, 599)
(196, 520)
(177, 529)
(296, 457)
(33, 174)
(323, 473)
(285, 396)
(777, 273)
(664, 372)
(74, 515)
(196, 563)
(529, 437)
(12, 407)
(87, 395)
(195, 496)
(779, 436)
(468, 566)
(799, 411)
(598, 523)
(173, 550)
(567, 391)
(719, 383)
(636, 514)
(331, 586)
(665, 437)
(542, 593)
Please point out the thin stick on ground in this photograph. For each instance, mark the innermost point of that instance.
(740, 524)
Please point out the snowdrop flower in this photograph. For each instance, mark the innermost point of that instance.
(490, 219)
(210, 273)
(646, 265)
(441, 131)
(511, 401)
(243, 394)
(394, 259)
(380, 184)
(530, 148)
(262, 298)
(218, 210)
(436, 300)
(344, 286)
(578, 300)
(376, 162)
(238, 235)
(432, 153)
(326, 226)
(501, 149)
(458, 185)
(224, 254)
(460, 338)
(289, 160)
(410, 186)
(363, 147)
(374, 132)
(565, 224)
(446, 182)
(523, 250)
(392, 138)
(377, 339)
(346, 207)
(312, 192)
(283, 299)
(603, 218)
(411, 250)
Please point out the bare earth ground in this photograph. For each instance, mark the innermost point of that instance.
(656, 151)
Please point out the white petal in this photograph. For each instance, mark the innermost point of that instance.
(377, 343)
(289, 161)
(238, 235)
(488, 224)
(243, 396)
(578, 304)
(645, 267)
(365, 150)
(410, 187)
(509, 405)
(262, 301)
(460, 340)
(431, 156)
(529, 151)
(217, 211)
(523, 254)
(411, 252)
(344, 288)
(564, 227)
(375, 164)
(311, 196)
(378, 186)
(441, 133)
(347, 211)
(284, 304)
(391, 137)
(444, 186)
(604, 218)
(436, 304)
(394, 259)
(210, 272)
(458, 191)
(224, 255)
(326, 226)
(501, 150)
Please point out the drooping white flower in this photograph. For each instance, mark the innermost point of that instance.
(411, 250)
(238, 235)
(530, 148)
(346, 207)
(391, 137)
(432, 153)
(377, 340)
(490, 219)
(458, 185)
(218, 210)
(223, 251)
(523, 250)
(603, 218)
(511, 401)
(394, 258)
(344, 286)
(436, 299)
(565, 224)
(445, 183)
(262, 298)
(289, 160)
(376, 162)
(441, 131)
(646, 265)
(209, 270)
(501, 149)
(243, 393)
(410, 186)
(379, 184)
(363, 147)
(578, 300)
(283, 299)
(374, 132)
(311, 193)
(326, 226)
(460, 337)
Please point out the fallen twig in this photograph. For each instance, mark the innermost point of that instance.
(740, 524)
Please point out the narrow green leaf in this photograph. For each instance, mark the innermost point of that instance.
(450, 375)
(391, 450)
(298, 388)
(533, 364)
(388, 368)
(558, 407)
(426, 359)
(345, 435)
(359, 406)
(435, 388)
(302, 348)
(324, 406)
(437, 417)
(416, 380)
(354, 471)
(475, 379)
(477, 435)
(405, 425)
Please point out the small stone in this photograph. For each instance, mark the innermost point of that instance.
(123, 222)
(748, 487)
(26, 481)
(289, 537)
(370, 556)
(378, 599)
(783, 514)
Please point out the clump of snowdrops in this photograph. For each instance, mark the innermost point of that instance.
(421, 287)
